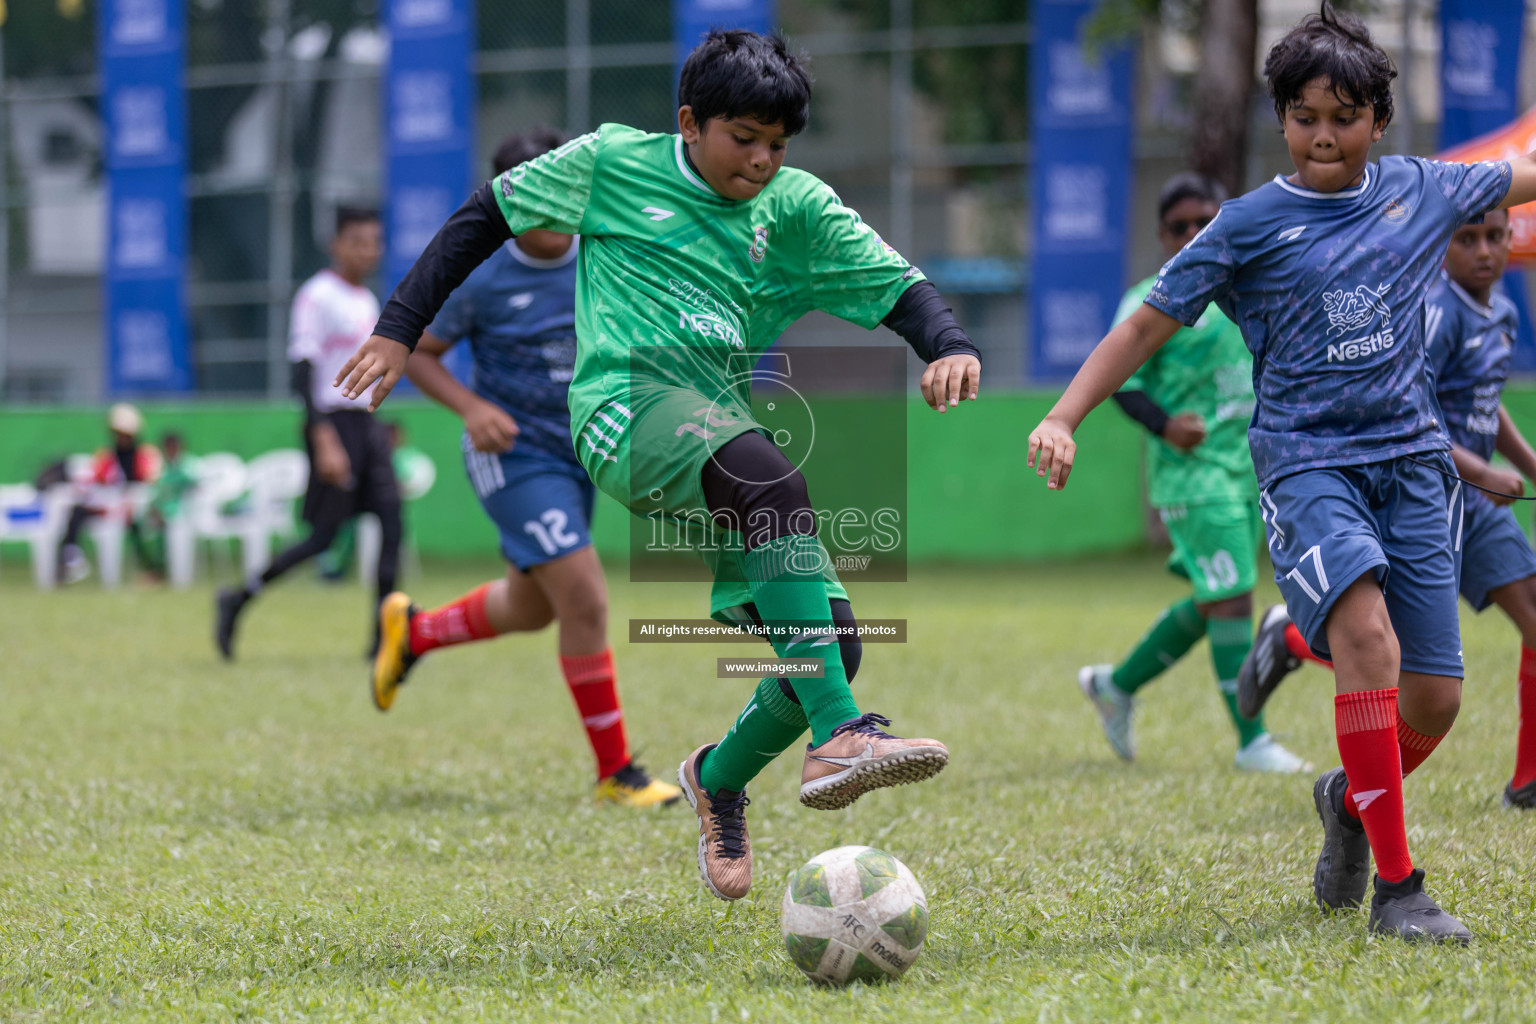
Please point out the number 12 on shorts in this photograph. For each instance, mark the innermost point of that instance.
(549, 530)
(1315, 556)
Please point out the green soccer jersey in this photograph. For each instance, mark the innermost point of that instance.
(1204, 369)
(675, 279)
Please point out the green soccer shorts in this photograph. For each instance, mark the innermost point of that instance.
(1215, 546)
(647, 450)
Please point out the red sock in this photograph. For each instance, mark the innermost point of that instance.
(1366, 723)
(456, 622)
(1525, 746)
(590, 677)
(1298, 646)
(1413, 746)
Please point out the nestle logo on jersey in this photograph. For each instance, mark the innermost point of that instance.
(1351, 311)
(711, 327)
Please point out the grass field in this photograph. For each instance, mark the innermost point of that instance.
(185, 839)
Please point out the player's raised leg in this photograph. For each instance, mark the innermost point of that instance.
(786, 567)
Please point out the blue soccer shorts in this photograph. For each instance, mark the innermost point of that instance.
(541, 503)
(1400, 520)
(1494, 551)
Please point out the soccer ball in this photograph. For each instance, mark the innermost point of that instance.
(854, 914)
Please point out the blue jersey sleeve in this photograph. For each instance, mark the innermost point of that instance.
(1200, 274)
(456, 320)
(1471, 189)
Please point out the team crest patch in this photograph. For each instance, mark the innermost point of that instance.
(1396, 211)
(759, 244)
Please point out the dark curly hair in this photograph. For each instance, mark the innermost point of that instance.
(1336, 47)
(736, 73)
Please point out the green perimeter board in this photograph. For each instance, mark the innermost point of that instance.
(970, 497)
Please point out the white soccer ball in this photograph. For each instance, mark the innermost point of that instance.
(854, 914)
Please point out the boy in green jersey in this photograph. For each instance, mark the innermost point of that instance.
(1195, 396)
(697, 251)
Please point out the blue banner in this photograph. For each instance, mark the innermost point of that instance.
(1479, 87)
(692, 20)
(1080, 184)
(428, 111)
(429, 104)
(141, 47)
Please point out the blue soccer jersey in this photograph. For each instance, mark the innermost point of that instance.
(1469, 347)
(518, 314)
(1328, 289)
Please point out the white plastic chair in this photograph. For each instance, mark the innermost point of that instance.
(416, 473)
(222, 479)
(277, 478)
(36, 519)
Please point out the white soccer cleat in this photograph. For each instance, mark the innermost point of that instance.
(1114, 706)
(1263, 754)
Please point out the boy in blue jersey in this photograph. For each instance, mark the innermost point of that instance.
(518, 313)
(1326, 272)
(1468, 333)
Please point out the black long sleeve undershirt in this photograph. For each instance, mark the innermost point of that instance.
(301, 378)
(1138, 405)
(927, 324)
(469, 238)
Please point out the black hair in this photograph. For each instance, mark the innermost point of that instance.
(1188, 185)
(524, 146)
(735, 73)
(346, 216)
(170, 437)
(1337, 47)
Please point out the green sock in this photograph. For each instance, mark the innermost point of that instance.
(1230, 641)
(765, 729)
(1170, 638)
(790, 591)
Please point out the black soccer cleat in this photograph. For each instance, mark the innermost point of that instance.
(226, 610)
(1522, 799)
(1268, 662)
(1344, 863)
(1404, 909)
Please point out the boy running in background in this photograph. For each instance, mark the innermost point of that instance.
(697, 247)
(350, 468)
(1195, 396)
(1326, 271)
(518, 313)
(1469, 332)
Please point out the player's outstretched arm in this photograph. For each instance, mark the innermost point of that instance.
(928, 325)
(490, 427)
(475, 231)
(1495, 482)
(1522, 181)
(1128, 345)
(1513, 446)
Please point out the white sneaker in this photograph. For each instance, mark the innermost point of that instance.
(74, 564)
(1263, 754)
(1114, 705)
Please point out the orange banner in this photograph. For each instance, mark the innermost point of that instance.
(1515, 139)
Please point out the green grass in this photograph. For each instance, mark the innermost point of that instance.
(185, 839)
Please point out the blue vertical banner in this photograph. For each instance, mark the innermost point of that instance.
(141, 47)
(1082, 122)
(429, 103)
(692, 20)
(1479, 88)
